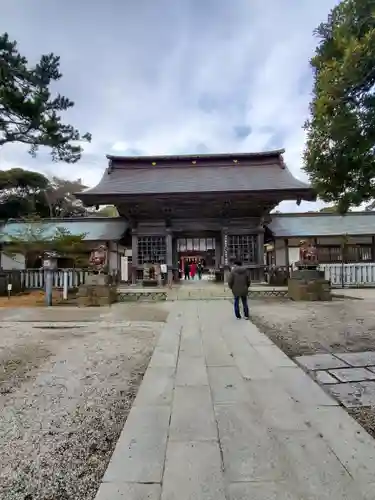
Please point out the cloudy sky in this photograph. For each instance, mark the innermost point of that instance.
(173, 76)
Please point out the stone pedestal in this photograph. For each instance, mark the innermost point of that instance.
(309, 284)
(96, 292)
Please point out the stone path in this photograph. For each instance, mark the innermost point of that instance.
(223, 414)
(350, 376)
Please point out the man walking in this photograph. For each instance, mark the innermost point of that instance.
(239, 282)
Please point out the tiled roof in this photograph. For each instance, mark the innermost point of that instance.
(196, 174)
(201, 157)
(95, 229)
(289, 225)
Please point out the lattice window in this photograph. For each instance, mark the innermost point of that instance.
(243, 247)
(352, 253)
(152, 250)
(332, 253)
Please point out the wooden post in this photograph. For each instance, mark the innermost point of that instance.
(134, 256)
(218, 247)
(261, 253)
(287, 263)
(169, 256)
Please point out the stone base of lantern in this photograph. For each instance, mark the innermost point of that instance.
(308, 283)
(97, 291)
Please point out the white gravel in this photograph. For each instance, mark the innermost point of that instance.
(308, 327)
(65, 393)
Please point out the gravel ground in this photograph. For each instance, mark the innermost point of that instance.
(300, 328)
(65, 392)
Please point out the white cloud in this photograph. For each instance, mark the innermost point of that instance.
(175, 78)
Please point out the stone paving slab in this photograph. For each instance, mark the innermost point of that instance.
(193, 471)
(273, 357)
(357, 358)
(254, 336)
(191, 370)
(129, 491)
(321, 362)
(157, 387)
(216, 352)
(250, 452)
(352, 374)
(227, 385)
(140, 451)
(349, 441)
(323, 377)
(354, 394)
(163, 359)
(192, 346)
(247, 359)
(268, 490)
(302, 388)
(276, 407)
(314, 468)
(201, 430)
(192, 415)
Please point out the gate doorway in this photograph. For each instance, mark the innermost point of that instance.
(197, 250)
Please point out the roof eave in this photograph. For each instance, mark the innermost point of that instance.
(305, 193)
(205, 156)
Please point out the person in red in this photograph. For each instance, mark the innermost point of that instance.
(193, 269)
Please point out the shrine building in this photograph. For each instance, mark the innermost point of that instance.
(213, 208)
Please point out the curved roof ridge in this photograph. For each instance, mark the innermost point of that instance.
(204, 156)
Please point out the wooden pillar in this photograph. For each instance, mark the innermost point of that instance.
(260, 257)
(218, 247)
(134, 255)
(286, 244)
(169, 245)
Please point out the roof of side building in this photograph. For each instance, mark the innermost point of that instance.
(95, 229)
(322, 224)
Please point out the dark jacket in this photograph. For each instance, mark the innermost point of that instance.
(239, 281)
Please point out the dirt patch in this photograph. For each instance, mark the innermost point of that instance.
(302, 328)
(61, 421)
(35, 298)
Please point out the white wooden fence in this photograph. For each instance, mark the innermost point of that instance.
(35, 278)
(350, 275)
(340, 275)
